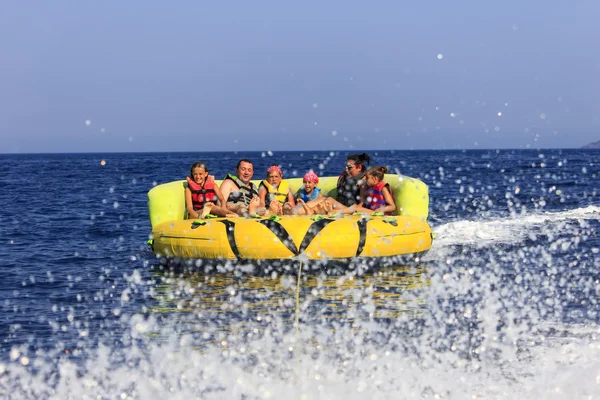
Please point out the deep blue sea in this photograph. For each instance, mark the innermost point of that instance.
(504, 306)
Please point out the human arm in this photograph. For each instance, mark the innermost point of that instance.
(363, 194)
(262, 193)
(290, 198)
(189, 204)
(220, 197)
(226, 188)
(390, 206)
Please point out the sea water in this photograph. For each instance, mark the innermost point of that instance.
(505, 304)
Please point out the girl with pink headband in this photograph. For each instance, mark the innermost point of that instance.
(310, 191)
(310, 198)
(274, 193)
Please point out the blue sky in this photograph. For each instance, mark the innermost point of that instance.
(103, 76)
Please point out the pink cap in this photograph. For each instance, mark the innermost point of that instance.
(311, 177)
(274, 168)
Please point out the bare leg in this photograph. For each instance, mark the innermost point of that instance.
(344, 210)
(323, 207)
(287, 209)
(352, 209)
(255, 208)
(239, 209)
(334, 203)
(300, 208)
(275, 208)
(206, 209)
(307, 210)
(222, 212)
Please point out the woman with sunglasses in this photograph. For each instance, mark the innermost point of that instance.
(351, 180)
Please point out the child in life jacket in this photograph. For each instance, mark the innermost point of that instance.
(309, 191)
(375, 197)
(310, 200)
(201, 194)
(275, 189)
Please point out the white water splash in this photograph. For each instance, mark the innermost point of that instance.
(506, 230)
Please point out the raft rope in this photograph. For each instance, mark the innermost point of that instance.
(297, 322)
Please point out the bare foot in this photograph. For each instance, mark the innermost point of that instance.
(231, 215)
(275, 208)
(307, 209)
(327, 205)
(206, 209)
(287, 209)
(253, 206)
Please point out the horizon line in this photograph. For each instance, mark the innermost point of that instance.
(299, 151)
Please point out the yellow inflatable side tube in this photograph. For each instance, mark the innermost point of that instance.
(291, 236)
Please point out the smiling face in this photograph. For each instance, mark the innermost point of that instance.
(199, 175)
(245, 171)
(309, 186)
(353, 169)
(274, 178)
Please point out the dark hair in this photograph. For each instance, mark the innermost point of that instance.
(360, 159)
(378, 172)
(241, 161)
(199, 164)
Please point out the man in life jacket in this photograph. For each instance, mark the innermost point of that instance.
(237, 189)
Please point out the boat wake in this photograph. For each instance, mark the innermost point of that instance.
(510, 230)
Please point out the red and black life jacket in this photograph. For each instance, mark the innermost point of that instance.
(375, 197)
(201, 194)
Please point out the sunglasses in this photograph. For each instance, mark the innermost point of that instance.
(350, 166)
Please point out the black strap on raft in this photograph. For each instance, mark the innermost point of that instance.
(362, 230)
(314, 229)
(230, 228)
(281, 233)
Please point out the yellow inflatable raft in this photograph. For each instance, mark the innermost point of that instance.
(292, 237)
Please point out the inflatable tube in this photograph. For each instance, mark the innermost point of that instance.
(288, 237)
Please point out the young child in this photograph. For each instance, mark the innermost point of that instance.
(309, 198)
(274, 188)
(201, 193)
(310, 191)
(376, 197)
